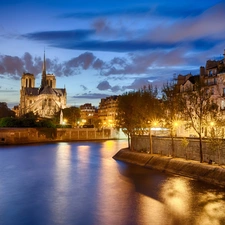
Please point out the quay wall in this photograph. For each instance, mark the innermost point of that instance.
(212, 174)
(35, 135)
(187, 148)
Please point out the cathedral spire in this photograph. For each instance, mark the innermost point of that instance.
(43, 80)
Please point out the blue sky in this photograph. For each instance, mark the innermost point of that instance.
(102, 48)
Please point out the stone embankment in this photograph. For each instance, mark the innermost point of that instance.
(212, 174)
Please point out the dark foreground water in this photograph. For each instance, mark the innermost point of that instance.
(79, 183)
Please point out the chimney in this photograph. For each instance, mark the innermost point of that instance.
(202, 71)
(224, 56)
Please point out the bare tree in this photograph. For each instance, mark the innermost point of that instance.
(197, 107)
(172, 110)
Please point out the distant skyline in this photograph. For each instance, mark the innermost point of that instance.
(102, 48)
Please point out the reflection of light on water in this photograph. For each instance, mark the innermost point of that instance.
(150, 210)
(213, 210)
(108, 145)
(62, 179)
(83, 153)
(175, 194)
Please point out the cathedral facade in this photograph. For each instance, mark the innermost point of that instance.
(43, 101)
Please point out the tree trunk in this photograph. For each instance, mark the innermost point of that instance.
(150, 141)
(200, 149)
(172, 142)
(173, 147)
(128, 135)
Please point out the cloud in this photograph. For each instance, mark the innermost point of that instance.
(14, 66)
(138, 84)
(104, 85)
(200, 30)
(11, 65)
(60, 36)
(91, 96)
(206, 26)
(84, 88)
(147, 10)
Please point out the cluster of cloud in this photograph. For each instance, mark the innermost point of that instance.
(199, 30)
(118, 67)
(156, 42)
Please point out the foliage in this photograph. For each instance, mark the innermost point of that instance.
(29, 115)
(46, 123)
(71, 115)
(97, 123)
(137, 110)
(5, 111)
(25, 122)
(9, 122)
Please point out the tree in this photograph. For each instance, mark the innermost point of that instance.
(171, 108)
(126, 117)
(71, 115)
(216, 134)
(137, 110)
(5, 111)
(198, 108)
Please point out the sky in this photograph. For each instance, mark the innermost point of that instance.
(102, 48)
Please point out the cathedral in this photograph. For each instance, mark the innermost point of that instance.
(43, 101)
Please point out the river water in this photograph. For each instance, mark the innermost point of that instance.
(80, 184)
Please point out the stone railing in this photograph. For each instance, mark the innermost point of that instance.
(33, 135)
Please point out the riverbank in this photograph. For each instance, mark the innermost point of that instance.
(10, 136)
(213, 174)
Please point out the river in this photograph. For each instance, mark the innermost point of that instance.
(78, 183)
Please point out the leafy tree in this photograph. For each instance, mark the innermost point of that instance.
(71, 115)
(126, 117)
(46, 123)
(9, 122)
(25, 122)
(97, 123)
(29, 115)
(137, 110)
(5, 111)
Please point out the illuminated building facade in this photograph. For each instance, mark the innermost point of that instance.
(43, 101)
(87, 113)
(107, 110)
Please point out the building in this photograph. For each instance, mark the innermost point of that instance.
(43, 101)
(107, 110)
(212, 76)
(87, 113)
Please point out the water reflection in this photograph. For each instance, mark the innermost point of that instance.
(58, 203)
(80, 183)
(175, 194)
(213, 209)
(150, 211)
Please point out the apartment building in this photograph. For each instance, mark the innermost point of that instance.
(107, 110)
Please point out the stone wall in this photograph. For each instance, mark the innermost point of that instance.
(163, 146)
(33, 135)
(212, 174)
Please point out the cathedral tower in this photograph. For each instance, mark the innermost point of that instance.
(43, 79)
